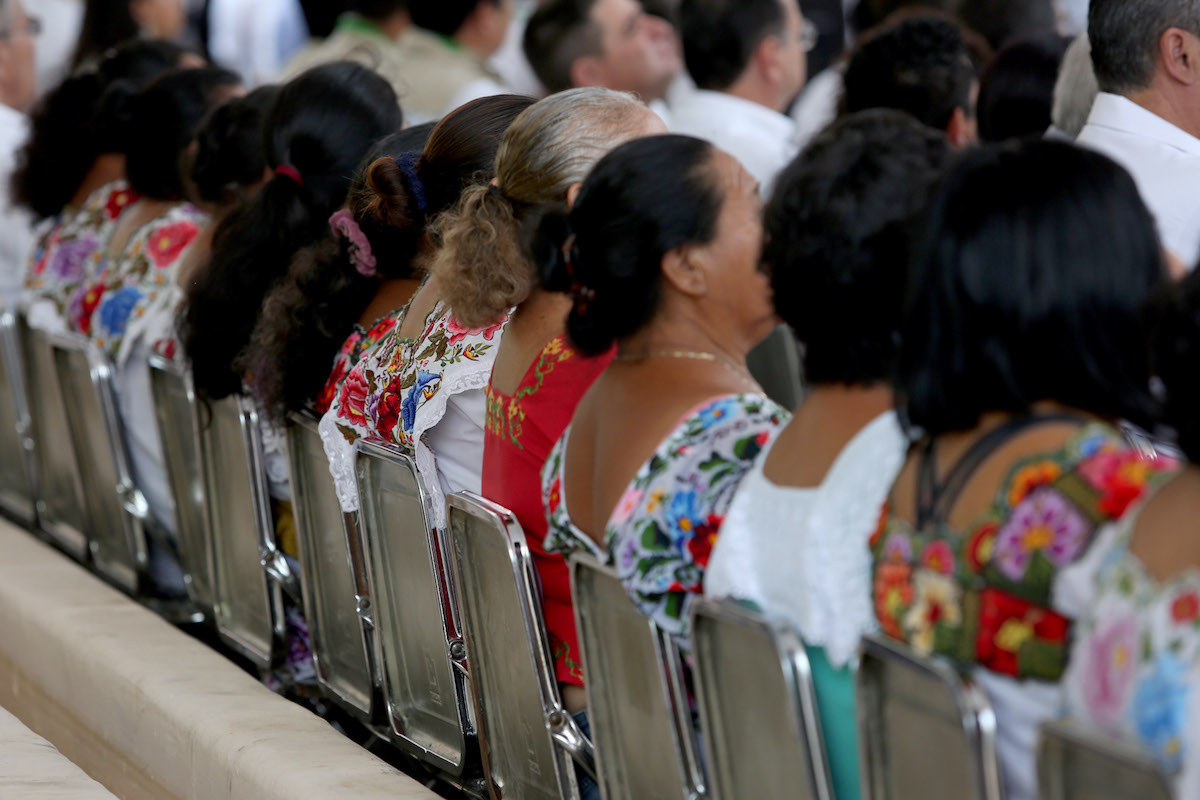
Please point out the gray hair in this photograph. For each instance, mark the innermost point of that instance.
(1076, 88)
(1125, 36)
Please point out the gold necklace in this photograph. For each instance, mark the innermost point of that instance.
(695, 355)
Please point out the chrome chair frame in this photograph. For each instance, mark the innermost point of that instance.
(978, 722)
(805, 773)
(116, 508)
(260, 646)
(324, 593)
(1075, 763)
(174, 409)
(60, 506)
(614, 746)
(470, 516)
(448, 753)
(18, 491)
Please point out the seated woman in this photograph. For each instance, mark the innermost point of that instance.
(1135, 660)
(423, 387)
(1021, 350)
(72, 173)
(346, 294)
(144, 251)
(660, 255)
(795, 540)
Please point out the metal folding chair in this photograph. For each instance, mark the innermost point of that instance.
(637, 705)
(335, 593)
(116, 508)
(174, 402)
(527, 738)
(755, 693)
(60, 507)
(17, 496)
(923, 730)
(248, 568)
(1075, 763)
(422, 663)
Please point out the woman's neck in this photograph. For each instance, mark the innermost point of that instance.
(681, 330)
(107, 168)
(392, 294)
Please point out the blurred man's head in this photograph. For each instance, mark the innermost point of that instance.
(479, 25)
(17, 76)
(608, 43)
(920, 66)
(751, 48)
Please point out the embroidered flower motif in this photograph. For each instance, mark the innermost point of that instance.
(897, 548)
(353, 397)
(893, 592)
(626, 506)
(937, 604)
(456, 333)
(715, 413)
(938, 557)
(1046, 524)
(117, 307)
(385, 408)
(69, 260)
(118, 201)
(981, 545)
(167, 242)
(1109, 671)
(880, 525)
(333, 383)
(1186, 606)
(1160, 707)
(554, 499)
(683, 514)
(1030, 477)
(1120, 477)
(1017, 637)
(423, 389)
(700, 546)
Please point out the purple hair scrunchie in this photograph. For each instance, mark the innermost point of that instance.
(407, 162)
(344, 225)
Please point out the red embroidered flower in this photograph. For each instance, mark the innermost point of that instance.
(167, 242)
(1030, 477)
(118, 201)
(893, 595)
(91, 299)
(700, 545)
(938, 557)
(1120, 476)
(1007, 624)
(555, 498)
(352, 398)
(1186, 607)
(880, 526)
(389, 409)
(330, 390)
(380, 329)
(980, 546)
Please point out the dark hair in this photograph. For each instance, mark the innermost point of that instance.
(316, 133)
(229, 147)
(837, 240)
(1174, 316)
(308, 315)
(640, 202)
(163, 121)
(720, 36)
(379, 9)
(106, 23)
(1018, 296)
(81, 119)
(1016, 93)
(1125, 36)
(558, 34)
(920, 66)
(321, 15)
(1004, 21)
(443, 16)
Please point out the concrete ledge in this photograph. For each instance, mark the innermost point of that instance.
(148, 711)
(31, 768)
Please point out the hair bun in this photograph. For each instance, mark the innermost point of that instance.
(392, 203)
(545, 235)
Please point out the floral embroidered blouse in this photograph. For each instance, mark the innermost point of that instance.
(133, 282)
(994, 595)
(400, 391)
(661, 534)
(1135, 662)
(521, 430)
(359, 342)
(69, 250)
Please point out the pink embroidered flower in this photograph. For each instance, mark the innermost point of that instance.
(167, 242)
(626, 506)
(457, 333)
(1109, 670)
(1186, 606)
(938, 556)
(352, 398)
(1045, 522)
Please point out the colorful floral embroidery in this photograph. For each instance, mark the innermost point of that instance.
(350, 353)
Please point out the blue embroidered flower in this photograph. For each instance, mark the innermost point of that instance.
(424, 386)
(683, 515)
(717, 413)
(116, 308)
(1159, 708)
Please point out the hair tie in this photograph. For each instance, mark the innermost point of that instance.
(344, 225)
(579, 292)
(407, 162)
(288, 171)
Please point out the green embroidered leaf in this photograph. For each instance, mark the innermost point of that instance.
(747, 448)
(673, 607)
(1041, 659)
(349, 434)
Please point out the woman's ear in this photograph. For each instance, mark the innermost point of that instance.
(682, 271)
(573, 193)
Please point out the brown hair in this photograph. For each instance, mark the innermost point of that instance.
(481, 267)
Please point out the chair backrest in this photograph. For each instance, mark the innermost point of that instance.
(637, 709)
(1079, 764)
(116, 509)
(755, 693)
(923, 730)
(60, 507)
(418, 659)
(518, 711)
(248, 606)
(174, 401)
(17, 497)
(334, 589)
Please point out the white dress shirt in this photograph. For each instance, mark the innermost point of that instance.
(1164, 161)
(760, 137)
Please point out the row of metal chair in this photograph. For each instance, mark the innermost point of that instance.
(435, 639)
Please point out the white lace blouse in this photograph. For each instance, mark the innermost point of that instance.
(802, 553)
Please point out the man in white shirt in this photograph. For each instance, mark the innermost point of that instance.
(17, 87)
(747, 58)
(1146, 55)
